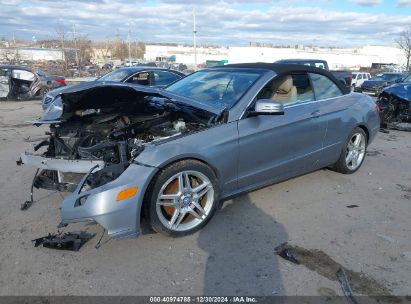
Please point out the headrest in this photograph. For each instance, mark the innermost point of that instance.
(286, 84)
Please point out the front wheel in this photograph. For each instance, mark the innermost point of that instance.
(353, 152)
(183, 198)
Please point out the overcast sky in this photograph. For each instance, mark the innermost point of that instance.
(344, 23)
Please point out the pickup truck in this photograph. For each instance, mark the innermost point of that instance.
(345, 77)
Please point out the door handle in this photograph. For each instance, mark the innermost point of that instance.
(315, 114)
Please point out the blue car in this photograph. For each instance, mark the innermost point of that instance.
(395, 103)
(126, 151)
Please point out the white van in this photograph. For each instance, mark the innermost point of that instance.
(358, 78)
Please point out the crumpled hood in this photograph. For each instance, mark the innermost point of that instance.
(401, 90)
(98, 94)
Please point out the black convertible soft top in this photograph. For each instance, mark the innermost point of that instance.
(281, 69)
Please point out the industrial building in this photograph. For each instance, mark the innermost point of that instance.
(337, 58)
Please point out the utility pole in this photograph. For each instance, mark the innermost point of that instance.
(195, 39)
(75, 46)
(129, 48)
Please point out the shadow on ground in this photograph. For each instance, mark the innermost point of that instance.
(239, 242)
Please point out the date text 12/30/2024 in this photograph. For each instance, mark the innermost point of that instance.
(203, 299)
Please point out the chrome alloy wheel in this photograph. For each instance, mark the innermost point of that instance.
(355, 152)
(185, 200)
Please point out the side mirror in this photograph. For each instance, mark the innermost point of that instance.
(399, 80)
(267, 107)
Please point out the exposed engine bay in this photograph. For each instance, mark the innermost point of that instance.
(395, 108)
(113, 138)
(110, 130)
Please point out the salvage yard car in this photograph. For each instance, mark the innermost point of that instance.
(22, 82)
(171, 155)
(376, 84)
(142, 75)
(395, 104)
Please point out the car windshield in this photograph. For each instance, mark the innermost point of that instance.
(116, 75)
(387, 77)
(219, 89)
(408, 78)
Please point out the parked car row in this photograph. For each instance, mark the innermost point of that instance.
(376, 84)
(141, 75)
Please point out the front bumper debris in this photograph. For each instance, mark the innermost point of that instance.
(64, 241)
(121, 219)
(63, 165)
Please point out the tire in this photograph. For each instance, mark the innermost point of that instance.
(349, 163)
(43, 92)
(175, 209)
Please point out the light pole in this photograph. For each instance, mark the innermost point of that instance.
(75, 47)
(129, 48)
(195, 39)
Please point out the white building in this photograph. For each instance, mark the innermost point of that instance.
(337, 58)
(184, 54)
(32, 54)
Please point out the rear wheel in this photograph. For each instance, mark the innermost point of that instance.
(183, 198)
(353, 152)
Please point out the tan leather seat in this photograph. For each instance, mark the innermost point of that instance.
(284, 90)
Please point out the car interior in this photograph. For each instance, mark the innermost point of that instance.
(288, 89)
(21, 82)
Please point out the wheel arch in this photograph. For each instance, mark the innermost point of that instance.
(145, 203)
(365, 129)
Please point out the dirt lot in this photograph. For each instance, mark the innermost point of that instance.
(234, 254)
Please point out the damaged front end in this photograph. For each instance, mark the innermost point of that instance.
(395, 107)
(95, 135)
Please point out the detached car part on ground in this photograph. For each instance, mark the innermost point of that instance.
(22, 82)
(171, 155)
(395, 105)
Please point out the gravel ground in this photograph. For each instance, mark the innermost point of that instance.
(234, 253)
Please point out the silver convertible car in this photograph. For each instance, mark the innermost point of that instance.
(124, 151)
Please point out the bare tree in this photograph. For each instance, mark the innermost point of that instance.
(62, 36)
(10, 55)
(404, 42)
(84, 47)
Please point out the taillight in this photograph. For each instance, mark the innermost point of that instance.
(61, 81)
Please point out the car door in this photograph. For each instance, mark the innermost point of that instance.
(272, 148)
(354, 80)
(332, 104)
(4, 82)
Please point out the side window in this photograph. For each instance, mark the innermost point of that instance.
(142, 78)
(162, 78)
(354, 76)
(319, 65)
(324, 87)
(23, 75)
(359, 76)
(288, 89)
(4, 72)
